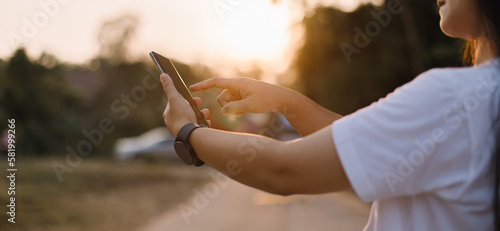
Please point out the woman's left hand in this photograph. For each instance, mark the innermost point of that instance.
(178, 111)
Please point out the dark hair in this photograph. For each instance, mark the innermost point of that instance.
(491, 20)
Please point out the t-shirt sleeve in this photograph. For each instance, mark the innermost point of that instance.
(399, 145)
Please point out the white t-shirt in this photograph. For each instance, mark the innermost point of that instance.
(423, 154)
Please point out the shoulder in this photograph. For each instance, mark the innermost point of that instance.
(439, 78)
(450, 84)
(459, 79)
(430, 89)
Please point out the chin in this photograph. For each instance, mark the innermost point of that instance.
(448, 33)
(446, 30)
(453, 32)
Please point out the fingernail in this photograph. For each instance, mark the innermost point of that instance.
(163, 77)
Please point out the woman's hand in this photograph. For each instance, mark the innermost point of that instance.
(178, 112)
(245, 95)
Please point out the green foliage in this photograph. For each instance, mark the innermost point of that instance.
(44, 106)
(410, 44)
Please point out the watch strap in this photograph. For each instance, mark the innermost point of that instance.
(183, 136)
(185, 132)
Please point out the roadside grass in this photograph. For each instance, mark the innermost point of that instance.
(97, 195)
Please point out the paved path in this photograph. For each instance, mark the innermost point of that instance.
(236, 207)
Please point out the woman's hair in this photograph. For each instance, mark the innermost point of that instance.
(469, 53)
(491, 21)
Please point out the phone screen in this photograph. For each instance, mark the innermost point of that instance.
(166, 66)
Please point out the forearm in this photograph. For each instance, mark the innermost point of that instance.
(305, 115)
(308, 165)
(249, 159)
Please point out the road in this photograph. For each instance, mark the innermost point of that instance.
(235, 207)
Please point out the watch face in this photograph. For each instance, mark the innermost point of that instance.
(183, 152)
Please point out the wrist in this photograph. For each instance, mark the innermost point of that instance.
(287, 101)
(176, 127)
(183, 147)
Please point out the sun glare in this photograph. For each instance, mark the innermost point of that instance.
(257, 30)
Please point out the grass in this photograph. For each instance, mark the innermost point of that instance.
(97, 195)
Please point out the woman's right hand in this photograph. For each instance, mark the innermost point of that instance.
(246, 95)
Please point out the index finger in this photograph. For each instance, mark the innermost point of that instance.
(221, 83)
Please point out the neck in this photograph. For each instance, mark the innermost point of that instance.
(485, 51)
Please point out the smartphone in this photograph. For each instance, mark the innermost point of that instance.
(166, 66)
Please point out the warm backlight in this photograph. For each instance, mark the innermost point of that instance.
(257, 30)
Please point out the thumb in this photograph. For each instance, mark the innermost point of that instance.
(168, 86)
(234, 107)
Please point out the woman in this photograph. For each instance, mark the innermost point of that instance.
(423, 155)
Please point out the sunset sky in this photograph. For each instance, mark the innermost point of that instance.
(221, 33)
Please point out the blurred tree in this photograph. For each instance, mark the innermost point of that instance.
(114, 37)
(395, 55)
(3, 115)
(44, 106)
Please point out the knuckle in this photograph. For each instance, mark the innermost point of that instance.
(215, 81)
(221, 98)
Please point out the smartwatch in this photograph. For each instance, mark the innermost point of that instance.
(184, 149)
